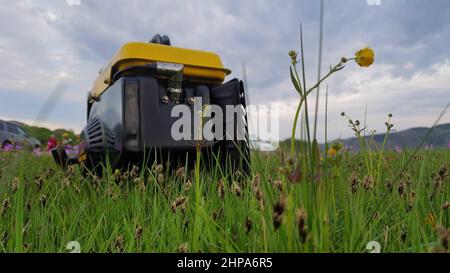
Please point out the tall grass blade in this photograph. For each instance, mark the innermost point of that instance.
(319, 66)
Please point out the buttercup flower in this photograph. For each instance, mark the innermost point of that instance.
(365, 57)
(332, 152)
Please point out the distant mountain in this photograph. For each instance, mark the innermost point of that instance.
(410, 138)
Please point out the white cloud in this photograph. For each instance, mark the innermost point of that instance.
(45, 42)
(50, 16)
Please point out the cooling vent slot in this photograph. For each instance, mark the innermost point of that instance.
(99, 138)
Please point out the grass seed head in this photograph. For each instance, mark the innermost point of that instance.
(376, 216)
(248, 225)
(5, 206)
(446, 205)
(137, 180)
(139, 232)
(160, 178)
(180, 173)
(302, 217)
(443, 172)
(369, 183)
(134, 171)
(66, 182)
(26, 246)
(443, 234)
(112, 193)
(15, 184)
(141, 186)
(183, 248)
(236, 189)
(158, 169)
(221, 188)
(354, 182)
(278, 210)
(50, 173)
(119, 243)
(277, 220)
(178, 203)
(256, 181)
(39, 182)
(217, 214)
(125, 177)
(280, 205)
(4, 237)
(404, 234)
(259, 196)
(43, 200)
(70, 171)
(389, 185)
(257, 190)
(95, 181)
(283, 170)
(118, 176)
(278, 184)
(289, 161)
(296, 175)
(187, 185)
(412, 198)
(401, 188)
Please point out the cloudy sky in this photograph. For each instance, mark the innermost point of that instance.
(51, 52)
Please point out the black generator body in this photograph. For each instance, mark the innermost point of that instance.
(130, 113)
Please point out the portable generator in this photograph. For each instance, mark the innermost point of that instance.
(129, 109)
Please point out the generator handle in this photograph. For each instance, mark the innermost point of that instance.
(157, 39)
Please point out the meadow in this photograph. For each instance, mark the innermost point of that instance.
(154, 209)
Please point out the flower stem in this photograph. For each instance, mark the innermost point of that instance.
(333, 70)
(294, 127)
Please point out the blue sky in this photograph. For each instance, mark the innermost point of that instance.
(50, 50)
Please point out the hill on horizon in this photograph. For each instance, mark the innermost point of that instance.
(42, 133)
(410, 138)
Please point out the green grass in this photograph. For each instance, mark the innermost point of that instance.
(136, 215)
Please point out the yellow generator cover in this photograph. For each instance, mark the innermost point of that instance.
(199, 65)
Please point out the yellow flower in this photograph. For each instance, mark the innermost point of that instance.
(65, 135)
(332, 152)
(337, 146)
(431, 220)
(365, 57)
